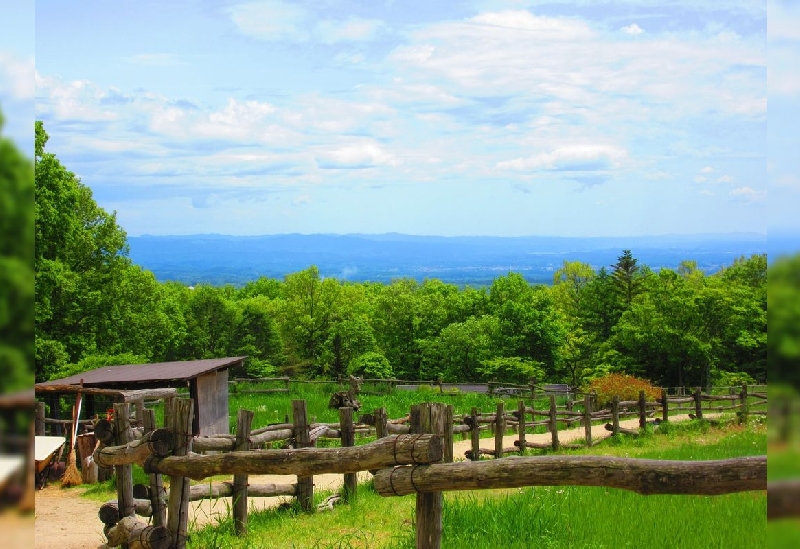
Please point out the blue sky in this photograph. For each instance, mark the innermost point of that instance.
(449, 118)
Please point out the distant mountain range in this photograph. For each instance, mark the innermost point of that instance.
(466, 260)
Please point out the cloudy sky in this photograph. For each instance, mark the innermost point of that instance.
(568, 118)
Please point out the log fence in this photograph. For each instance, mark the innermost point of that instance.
(419, 445)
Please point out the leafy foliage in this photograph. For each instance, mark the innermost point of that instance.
(625, 386)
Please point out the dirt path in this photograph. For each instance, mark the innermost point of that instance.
(67, 521)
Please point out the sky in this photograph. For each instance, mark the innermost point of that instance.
(505, 118)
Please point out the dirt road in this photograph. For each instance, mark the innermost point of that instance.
(67, 521)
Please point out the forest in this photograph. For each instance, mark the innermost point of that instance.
(95, 307)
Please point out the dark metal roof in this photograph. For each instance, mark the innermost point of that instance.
(133, 375)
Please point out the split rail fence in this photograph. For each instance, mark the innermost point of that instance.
(410, 455)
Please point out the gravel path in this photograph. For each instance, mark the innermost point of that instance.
(67, 521)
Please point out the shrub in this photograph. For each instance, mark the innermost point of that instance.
(623, 385)
(371, 365)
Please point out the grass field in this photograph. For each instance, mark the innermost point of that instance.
(550, 517)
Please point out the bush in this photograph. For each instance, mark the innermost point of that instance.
(371, 365)
(625, 386)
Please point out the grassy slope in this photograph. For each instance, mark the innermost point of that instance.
(553, 517)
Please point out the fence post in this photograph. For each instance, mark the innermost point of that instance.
(244, 423)
(429, 505)
(124, 472)
(744, 405)
(381, 427)
(532, 383)
(642, 410)
(587, 419)
(447, 434)
(348, 435)
(305, 485)
(499, 430)
(664, 405)
(615, 415)
(698, 403)
(554, 422)
(156, 480)
(181, 418)
(39, 429)
(475, 435)
(521, 428)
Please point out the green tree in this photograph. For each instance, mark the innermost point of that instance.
(16, 267)
(79, 250)
(459, 351)
(784, 321)
(625, 273)
(256, 334)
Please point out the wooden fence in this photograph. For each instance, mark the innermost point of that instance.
(402, 463)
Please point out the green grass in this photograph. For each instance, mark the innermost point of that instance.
(550, 517)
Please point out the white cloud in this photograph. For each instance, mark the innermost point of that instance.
(725, 179)
(747, 194)
(354, 29)
(570, 158)
(633, 28)
(707, 169)
(272, 20)
(154, 59)
(17, 78)
(358, 155)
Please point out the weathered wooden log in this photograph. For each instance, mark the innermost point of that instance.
(105, 432)
(225, 489)
(109, 511)
(623, 430)
(274, 427)
(160, 442)
(137, 535)
(244, 423)
(397, 428)
(645, 476)
(783, 499)
(391, 450)
(179, 418)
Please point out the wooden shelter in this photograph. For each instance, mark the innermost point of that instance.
(207, 381)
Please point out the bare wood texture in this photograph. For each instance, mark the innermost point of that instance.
(225, 489)
(211, 406)
(554, 422)
(429, 505)
(783, 499)
(348, 440)
(642, 410)
(587, 420)
(645, 476)
(499, 430)
(39, 415)
(155, 443)
(181, 412)
(244, 422)
(109, 511)
(124, 472)
(623, 430)
(381, 423)
(475, 435)
(521, 428)
(385, 452)
(664, 405)
(157, 503)
(129, 531)
(615, 414)
(305, 482)
(698, 403)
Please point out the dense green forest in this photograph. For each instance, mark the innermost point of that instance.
(674, 327)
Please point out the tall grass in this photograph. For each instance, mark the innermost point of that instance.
(549, 517)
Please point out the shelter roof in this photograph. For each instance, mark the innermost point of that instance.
(131, 376)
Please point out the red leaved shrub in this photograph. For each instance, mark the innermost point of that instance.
(625, 386)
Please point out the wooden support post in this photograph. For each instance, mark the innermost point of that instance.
(642, 410)
(244, 423)
(521, 428)
(587, 419)
(447, 433)
(429, 505)
(348, 440)
(381, 423)
(532, 384)
(499, 429)
(698, 403)
(124, 472)
(305, 485)
(744, 405)
(181, 414)
(615, 414)
(156, 480)
(664, 406)
(475, 435)
(139, 411)
(554, 423)
(39, 430)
